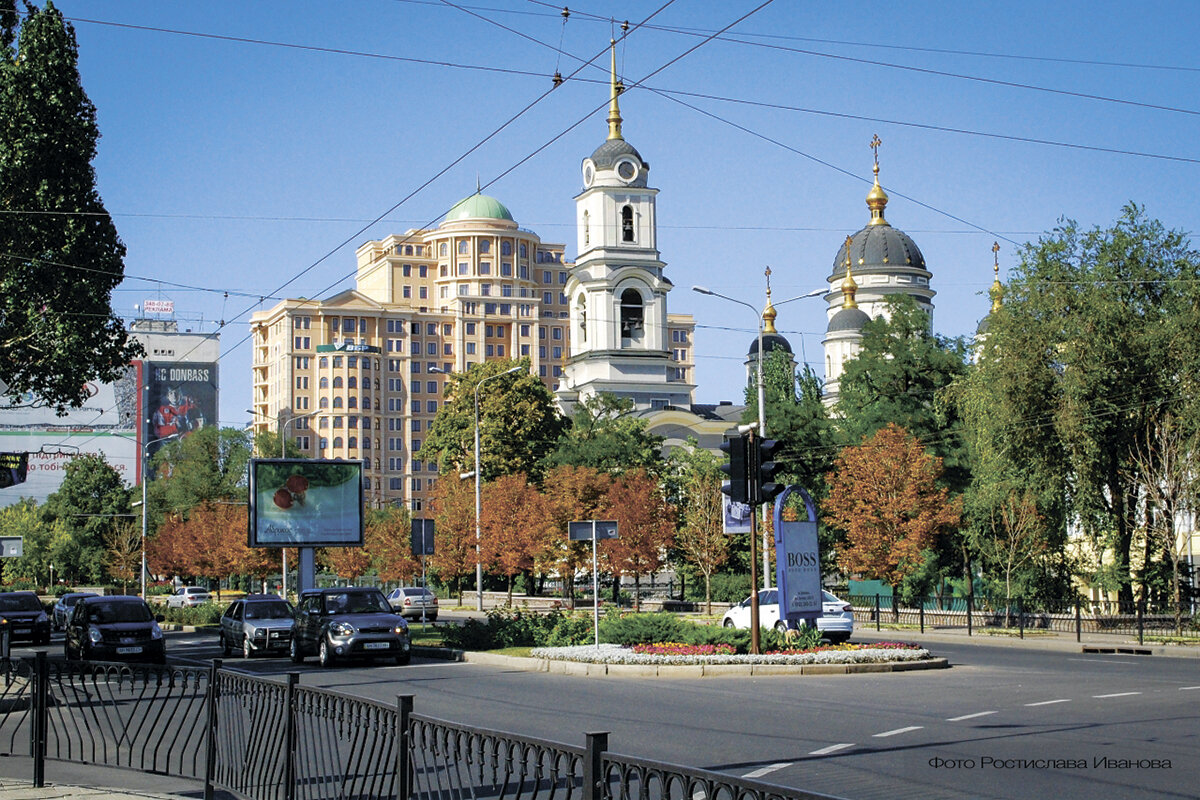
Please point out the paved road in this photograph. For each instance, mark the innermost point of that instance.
(984, 728)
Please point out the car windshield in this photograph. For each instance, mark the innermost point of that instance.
(356, 603)
(107, 613)
(19, 602)
(268, 609)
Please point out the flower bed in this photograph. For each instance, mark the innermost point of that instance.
(834, 654)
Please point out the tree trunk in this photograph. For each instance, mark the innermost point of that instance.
(637, 592)
(707, 594)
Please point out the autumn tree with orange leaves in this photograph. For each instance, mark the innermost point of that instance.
(515, 526)
(210, 541)
(885, 498)
(388, 539)
(453, 509)
(573, 494)
(645, 530)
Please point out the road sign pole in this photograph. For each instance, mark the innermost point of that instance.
(595, 589)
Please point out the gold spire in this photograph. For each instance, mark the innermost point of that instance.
(849, 287)
(877, 198)
(769, 312)
(614, 111)
(997, 290)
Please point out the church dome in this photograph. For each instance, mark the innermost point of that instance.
(879, 248)
(848, 319)
(478, 206)
(607, 154)
(771, 343)
(984, 324)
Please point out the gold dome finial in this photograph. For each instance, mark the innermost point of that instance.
(877, 198)
(849, 287)
(997, 290)
(614, 110)
(769, 312)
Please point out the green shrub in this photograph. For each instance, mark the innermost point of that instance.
(629, 629)
(205, 614)
(570, 630)
(725, 588)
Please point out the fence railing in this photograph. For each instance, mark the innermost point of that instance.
(266, 739)
(1022, 615)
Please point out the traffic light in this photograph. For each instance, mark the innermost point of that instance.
(736, 468)
(763, 468)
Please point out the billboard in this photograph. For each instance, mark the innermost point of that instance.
(305, 503)
(797, 569)
(181, 398)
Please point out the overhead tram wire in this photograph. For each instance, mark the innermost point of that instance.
(782, 107)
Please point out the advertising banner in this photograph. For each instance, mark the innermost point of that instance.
(737, 515)
(305, 503)
(181, 398)
(797, 570)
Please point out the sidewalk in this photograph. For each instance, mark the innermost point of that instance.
(1034, 640)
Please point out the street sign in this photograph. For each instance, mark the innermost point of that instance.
(11, 547)
(422, 537)
(582, 531)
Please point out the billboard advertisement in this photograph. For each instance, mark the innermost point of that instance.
(181, 398)
(105, 425)
(305, 503)
(797, 569)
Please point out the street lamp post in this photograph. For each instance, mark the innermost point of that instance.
(283, 454)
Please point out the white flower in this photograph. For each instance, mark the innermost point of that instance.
(617, 654)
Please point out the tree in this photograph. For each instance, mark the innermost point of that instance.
(453, 508)
(123, 546)
(348, 563)
(519, 423)
(701, 538)
(573, 494)
(60, 257)
(605, 434)
(645, 530)
(24, 519)
(210, 542)
(206, 465)
(91, 500)
(388, 540)
(1097, 337)
(883, 495)
(514, 527)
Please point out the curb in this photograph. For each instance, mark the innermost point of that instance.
(591, 669)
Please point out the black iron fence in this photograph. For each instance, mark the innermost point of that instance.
(266, 739)
(1022, 615)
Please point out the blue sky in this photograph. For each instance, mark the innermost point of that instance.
(243, 143)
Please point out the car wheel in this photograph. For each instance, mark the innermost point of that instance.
(247, 651)
(728, 623)
(325, 654)
(226, 650)
(294, 652)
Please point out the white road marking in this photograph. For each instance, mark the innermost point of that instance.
(758, 773)
(833, 748)
(1115, 694)
(1126, 662)
(1188, 688)
(1046, 703)
(971, 716)
(899, 731)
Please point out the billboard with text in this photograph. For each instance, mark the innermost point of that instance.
(305, 503)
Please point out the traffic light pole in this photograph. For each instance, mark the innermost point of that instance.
(752, 468)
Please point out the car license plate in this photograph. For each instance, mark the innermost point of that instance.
(128, 651)
(377, 645)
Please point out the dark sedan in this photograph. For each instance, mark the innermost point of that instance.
(117, 628)
(26, 617)
(348, 622)
(62, 609)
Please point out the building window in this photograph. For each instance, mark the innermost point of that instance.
(463, 247)
(485, 268)
(337, 443)
(627, 224)
(631, 314)
(506, 248)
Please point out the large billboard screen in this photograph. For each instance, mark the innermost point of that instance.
(181, 398)
(305, 503)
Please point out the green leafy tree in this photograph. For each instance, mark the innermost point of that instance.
(91, 501)
(207, 464)
(1098, 337)
(60, 256)
(605, 434)
(519, 423)
(701, 540)
(24, 519)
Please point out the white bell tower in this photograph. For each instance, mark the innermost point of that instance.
(617, 291)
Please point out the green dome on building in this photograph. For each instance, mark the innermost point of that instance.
(478, 206)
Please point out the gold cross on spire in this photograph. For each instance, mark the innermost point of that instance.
(996, 256)
(875, 143)
(767, 272)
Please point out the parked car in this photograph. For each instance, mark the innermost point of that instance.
(62, 609)
(118, 628)
(836, 621)
(257, 624)
(27, 618)
(410, 601)
(188, 597)
(348, 622)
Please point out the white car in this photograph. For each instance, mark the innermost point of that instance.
(836, 621)
(410, 601)
(188, 597)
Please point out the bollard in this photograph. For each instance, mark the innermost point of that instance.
(876, 611)
(921, 600)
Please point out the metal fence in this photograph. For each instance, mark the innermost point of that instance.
(1022, 615)
(263, 739)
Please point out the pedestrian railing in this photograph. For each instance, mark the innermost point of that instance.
(266, 739)
(1022, 615)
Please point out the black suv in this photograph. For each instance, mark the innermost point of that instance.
(26, 617)
(348, 622)
(120, 628)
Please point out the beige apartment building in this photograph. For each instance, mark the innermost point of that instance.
(360, 375)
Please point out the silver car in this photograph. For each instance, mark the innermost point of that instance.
(188, 597)
(411, 601)
(258, 624)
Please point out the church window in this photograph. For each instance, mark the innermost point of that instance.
(587, 231)
(632, 314)
(627, 224)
